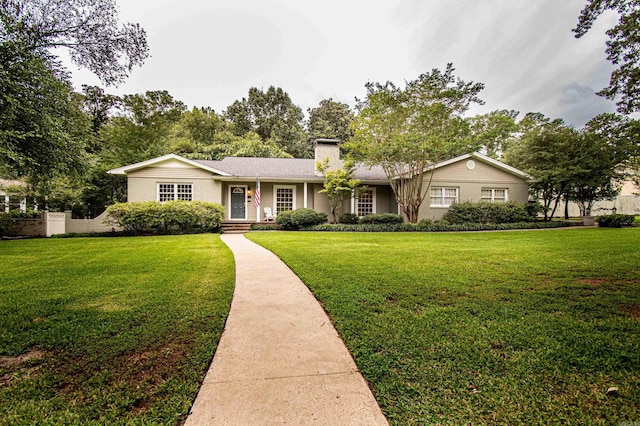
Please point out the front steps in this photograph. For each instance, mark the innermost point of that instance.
(240, 227)
(236, 227)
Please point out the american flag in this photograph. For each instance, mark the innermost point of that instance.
(256, 196)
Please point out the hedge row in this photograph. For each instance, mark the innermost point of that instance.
(163, 218)
(615, 220)
(436, 227)
(486, 212)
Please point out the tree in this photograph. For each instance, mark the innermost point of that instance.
(42, 130)
(407, 130)
(88, 28)
(623, 49)
(621, 133)
(338, 185)
(544, 152)
(272, 115)
(330, 119)
(594, 176)
(492, 132)
(142, 131)
(199, 125)
(583, 166)
(97, 104)
(250, 145)
(608, 150)
(196, 134)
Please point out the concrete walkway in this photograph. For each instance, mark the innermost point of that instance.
(279, 361)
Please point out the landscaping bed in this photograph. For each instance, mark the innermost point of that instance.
(428, 226)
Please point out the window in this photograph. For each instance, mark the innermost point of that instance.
(284, 198)
(443, 197)
(366, 202)
(494, 195)
(175, 191)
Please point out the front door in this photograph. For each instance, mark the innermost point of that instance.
(238, 202)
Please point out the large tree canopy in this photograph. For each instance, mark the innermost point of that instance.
(544, 152)
(273, 116)
(492, 132)
(583, 166)
(142, 131)
(407, 130)
(623, 49)
(330, 119)
(88, 28)
(42, 127)
(41, 130)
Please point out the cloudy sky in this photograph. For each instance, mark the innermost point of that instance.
(210, 52)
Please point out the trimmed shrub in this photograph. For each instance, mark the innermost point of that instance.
(307, 217)
(615, 220)
(170, 217)
(380, 219)
(300, 218)
(349, 219)
(486, 212)
(6, 224)
(437, 227)
(284, 219)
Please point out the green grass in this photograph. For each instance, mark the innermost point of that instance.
(121, 330)
(484, 328)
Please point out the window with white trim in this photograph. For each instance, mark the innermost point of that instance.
(175, 191)
(495, 195)
(366, 202)
(443, 196)
(284, 198)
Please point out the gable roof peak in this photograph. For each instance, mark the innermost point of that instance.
(484, 158)
(132, 167)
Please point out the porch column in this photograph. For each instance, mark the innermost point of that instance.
(353, 202)
(6, 204)
(304, 203)
(256, 199)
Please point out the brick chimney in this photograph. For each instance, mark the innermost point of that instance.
(328, 148)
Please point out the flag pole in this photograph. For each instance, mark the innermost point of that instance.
(256, 200)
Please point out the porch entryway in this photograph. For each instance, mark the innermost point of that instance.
(238, 202)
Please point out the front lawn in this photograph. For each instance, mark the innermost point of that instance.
(109, 330)
(529, 327)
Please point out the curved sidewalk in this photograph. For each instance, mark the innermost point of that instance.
(279, 360)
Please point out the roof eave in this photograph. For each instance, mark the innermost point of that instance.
(484, 158)
(141, 165)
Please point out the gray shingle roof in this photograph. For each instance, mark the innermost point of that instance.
(295, 168)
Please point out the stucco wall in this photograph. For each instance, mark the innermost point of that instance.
(470, 183)
(84, 226)
(385, 200)
(142, 185)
